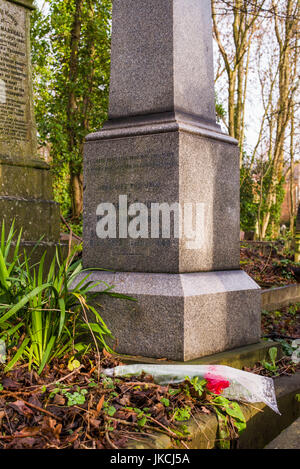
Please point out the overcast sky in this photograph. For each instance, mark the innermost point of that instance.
(41, 3)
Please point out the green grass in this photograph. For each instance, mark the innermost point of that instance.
(43, 314)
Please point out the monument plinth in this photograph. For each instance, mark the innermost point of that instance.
(25, 182)
(161, 200)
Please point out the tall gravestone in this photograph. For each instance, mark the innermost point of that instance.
(161, 200)
(25, 182)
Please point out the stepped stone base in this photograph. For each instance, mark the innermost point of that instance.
(240, 357)
(180, 316)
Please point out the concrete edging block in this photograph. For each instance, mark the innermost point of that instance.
(278, 297)
(263, 425)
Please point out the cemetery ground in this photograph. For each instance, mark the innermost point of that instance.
(68, 403)
(82, 409)
(270, 264)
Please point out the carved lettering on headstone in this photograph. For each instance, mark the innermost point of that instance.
(13, 72)
(2, 92)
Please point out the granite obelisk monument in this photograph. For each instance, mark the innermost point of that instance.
(161, 200)
(25, 182)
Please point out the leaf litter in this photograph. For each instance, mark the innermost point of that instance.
(84, 410)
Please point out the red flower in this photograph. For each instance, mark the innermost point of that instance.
(215, 383)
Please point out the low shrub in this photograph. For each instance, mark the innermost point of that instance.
(43, 314)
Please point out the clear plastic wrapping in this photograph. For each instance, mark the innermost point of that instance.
(234, 384)
(2, 351)
(296, 353)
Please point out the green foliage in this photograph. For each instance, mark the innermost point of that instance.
(248, 206)
(142, 417)
(51, 39)
(265, 186)
(42, 314)
(109, 409)
(220, 110)
(108, 383)
(254, 191)
(286, 347)
(183, 414)
(198, 386)
(74, 398)
(165, 402)
(276, 209)
(230, 417)
(173, 392)
(60, 388)
(271, 366)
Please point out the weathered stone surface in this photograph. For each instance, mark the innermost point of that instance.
(181, 316)
(239, 357)
(275, 298)
(17, 124)
(138, 168)
(288, 439)
(25, 3)
(37, 217)
(25, 182)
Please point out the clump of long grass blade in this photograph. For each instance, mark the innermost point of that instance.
(44, 314)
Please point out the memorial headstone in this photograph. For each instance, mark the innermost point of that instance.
(25, 182)
(161, 200)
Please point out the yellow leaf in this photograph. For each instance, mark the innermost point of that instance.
(73, 364)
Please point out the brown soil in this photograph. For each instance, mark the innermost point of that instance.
(268, 267)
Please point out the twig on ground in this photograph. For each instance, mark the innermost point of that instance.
(70, 229)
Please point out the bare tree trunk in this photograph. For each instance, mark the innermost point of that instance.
(236, 61)
(292, 175)
(74, 166)
(285, 29)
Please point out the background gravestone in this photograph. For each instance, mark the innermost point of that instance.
(162, 145)
(25, 182)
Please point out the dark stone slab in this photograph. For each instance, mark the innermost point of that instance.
(275, 298)
(239, 357)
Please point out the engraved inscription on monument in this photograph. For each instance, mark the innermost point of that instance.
(13, 63)
(16, 115)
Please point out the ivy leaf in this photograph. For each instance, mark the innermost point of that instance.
(273, 354)
(182, 414)
(223, 431)
(241, 426)
(111, 411)
(165, 402)
(233, 409)
(142, 422)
